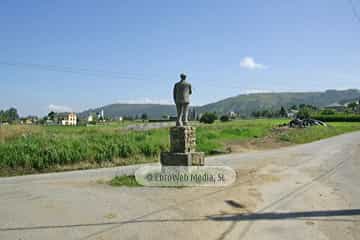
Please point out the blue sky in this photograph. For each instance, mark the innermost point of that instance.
(103, 52)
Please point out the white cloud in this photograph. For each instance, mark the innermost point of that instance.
(59, 108)
(249, 63)
(146, 101)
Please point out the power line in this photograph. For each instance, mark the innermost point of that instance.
(354, 10)
(101, 73)
(80, 71)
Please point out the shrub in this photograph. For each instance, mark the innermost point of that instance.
(327, 112)
(304, 113)
(208, 118)
(338, 118)
(224, 118)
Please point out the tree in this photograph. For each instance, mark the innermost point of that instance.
(293, 107)
(282, 112)
(128, 118)
(11, 115)
(144, 116)
(352, 106)
(2, 117)
(304, 113)
(256, 114)
(224, 118)
(208, 118)
(51, 116)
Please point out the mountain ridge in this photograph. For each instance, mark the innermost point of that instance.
(244, 104)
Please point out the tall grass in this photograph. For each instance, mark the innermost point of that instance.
(42, 148)
(9, 132)
(71, 145)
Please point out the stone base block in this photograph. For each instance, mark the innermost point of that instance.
(182, 159)
(182, 139)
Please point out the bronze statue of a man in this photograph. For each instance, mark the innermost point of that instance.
(182, 92)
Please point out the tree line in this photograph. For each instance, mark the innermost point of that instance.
(269, 113)
(10, 115)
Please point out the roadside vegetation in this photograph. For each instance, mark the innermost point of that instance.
(128, 181)
(337, 117)
(306, 135)
(33, 149)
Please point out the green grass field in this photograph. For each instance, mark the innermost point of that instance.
(299, 136)
(31, 149)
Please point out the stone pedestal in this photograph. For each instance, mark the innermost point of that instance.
(182, 148)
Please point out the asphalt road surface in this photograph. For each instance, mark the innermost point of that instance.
(149, 126)
(309, 191)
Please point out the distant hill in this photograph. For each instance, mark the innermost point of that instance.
(123, 109)
(245, 104)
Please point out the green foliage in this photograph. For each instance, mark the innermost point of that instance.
(314, 133)
(304, 113)
(294, 107)
(52, 116)
(327, 112)
(25, 149)
(11, 115)
(269, 113)
(208, 118)
(144, 116)
(224, 118)
(212, 137)
(282, 112)
(352, 106)
(338, 117)
(128, 181)
(58, 145)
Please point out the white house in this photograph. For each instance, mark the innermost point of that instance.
(232, 114)
(70, 120)
(292, 113)
(90, 118)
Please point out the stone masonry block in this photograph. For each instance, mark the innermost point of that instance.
(182, 139)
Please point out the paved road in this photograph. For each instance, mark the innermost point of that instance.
(308, 191)
(149, 126)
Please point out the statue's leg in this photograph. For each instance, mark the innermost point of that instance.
(179, 114)
(186, 113)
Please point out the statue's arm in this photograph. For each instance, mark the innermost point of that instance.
(174, 93)
(190, 91)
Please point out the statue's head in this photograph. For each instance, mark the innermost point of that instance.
(182, 76)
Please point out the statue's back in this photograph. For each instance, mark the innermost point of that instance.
(182, 92)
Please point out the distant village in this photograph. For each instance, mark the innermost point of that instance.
(11, 115)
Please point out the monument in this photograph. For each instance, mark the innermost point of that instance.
(182, 136)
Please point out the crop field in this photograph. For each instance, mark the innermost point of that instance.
(32, 149)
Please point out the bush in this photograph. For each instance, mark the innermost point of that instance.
(338, 118)
(304, 113)
(208, 118)
(224, 118)
(327, 112)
